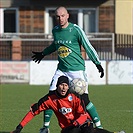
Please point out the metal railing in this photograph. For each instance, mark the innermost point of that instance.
(104, 43)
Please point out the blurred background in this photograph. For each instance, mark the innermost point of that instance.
(26, 26)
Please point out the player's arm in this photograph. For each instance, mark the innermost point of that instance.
(83, 116)
(35, 109)
(38, 56)
(91, 52)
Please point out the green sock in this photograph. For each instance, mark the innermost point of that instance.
(94, 115)
(47, 116)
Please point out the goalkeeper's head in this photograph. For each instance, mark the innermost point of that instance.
(62, 85)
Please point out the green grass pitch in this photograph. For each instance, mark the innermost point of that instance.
(114, 104)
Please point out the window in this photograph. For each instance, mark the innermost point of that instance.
(89, 21)
(9, 17)
(73, 17)
(86, 18)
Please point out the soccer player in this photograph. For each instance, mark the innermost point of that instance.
(68, 38)
(68, 109)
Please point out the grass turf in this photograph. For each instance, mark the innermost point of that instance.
(114, 104)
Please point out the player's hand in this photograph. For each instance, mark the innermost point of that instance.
(18, 129)
(37, 56)
(100, 69)
(81, 120)
(87, 123)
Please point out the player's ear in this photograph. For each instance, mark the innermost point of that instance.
(67, 15)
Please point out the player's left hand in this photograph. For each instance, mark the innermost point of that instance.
(100, 69)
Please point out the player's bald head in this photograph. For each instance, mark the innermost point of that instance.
(62, 16)
(61, 8)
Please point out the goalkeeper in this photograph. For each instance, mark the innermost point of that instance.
(67, 107)
(68, 39)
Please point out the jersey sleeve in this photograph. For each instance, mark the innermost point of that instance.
(41, 105)
(35, 109)
(83, 40)
(50, 49)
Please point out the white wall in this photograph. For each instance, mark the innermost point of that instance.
(120, 72)
(42, 73)
(116, 72)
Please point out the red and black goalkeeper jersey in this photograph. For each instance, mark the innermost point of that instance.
(67, 109)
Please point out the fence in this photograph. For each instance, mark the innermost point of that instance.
(18, 46)
(124, 46)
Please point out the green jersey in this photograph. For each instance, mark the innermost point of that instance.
(67, 42)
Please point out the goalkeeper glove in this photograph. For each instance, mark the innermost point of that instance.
(87, 123)
(80, 121)
(37, 57)
(100, 69)
(18, 129)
